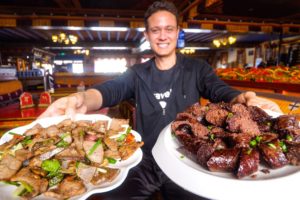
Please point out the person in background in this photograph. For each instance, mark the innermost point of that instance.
(161, 87)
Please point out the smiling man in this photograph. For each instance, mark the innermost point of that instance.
(161, 87)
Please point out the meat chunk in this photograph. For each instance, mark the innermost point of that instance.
(224, 160)
(9, 165)
(241, 124)
(39, 185)
(272, 154)
(217, 117)
(248, 162)
(293, 152)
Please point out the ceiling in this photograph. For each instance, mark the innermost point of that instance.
(129, 13)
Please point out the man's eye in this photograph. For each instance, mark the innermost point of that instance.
(170, 29)
(154, 31)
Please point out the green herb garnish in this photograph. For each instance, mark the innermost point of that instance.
(94, 147)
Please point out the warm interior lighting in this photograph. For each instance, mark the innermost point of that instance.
(82, 51)
(231, 39)
(224, 41)
(64, 38)
(187, 51)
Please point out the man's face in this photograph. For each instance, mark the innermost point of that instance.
(162, 33)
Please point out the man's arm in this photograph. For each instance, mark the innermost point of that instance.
(80, 102)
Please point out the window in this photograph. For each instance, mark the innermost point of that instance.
(110, 65)
(77, 67)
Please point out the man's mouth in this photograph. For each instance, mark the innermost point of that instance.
(163, 45)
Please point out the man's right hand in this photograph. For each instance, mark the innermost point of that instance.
(80, 102)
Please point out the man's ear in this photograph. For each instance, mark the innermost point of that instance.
(146, 35)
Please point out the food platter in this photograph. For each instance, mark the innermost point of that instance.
(277, 184)
(7, 190)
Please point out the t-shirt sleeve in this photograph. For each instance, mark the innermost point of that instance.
(116, 90)
(213, 88)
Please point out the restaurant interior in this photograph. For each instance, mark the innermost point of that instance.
(50, 49)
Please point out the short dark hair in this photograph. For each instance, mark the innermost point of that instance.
(160, 6)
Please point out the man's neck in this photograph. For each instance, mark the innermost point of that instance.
(165, 63)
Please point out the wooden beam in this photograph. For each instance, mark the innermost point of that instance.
(76, 4)
(187, 9)
(60, 3)
(72, 11)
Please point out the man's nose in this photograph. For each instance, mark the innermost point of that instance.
(162, 35)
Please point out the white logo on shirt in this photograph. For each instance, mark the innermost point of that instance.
(161, 97)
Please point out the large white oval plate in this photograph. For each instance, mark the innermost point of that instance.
(280, 183)
(6, 190)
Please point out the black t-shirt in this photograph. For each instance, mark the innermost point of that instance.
(162, 83)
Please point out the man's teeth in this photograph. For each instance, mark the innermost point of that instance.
(162, 45)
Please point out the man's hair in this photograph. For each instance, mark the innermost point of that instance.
(160, 6)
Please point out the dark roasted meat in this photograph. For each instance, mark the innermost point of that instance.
(235, 138)
(248, 162)
(224, 160)
(293, 152)
(272, 154)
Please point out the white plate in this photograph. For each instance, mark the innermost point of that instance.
(7, 190)
(281, 183)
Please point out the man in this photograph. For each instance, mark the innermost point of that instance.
(161, 87)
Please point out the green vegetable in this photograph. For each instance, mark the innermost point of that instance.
(253, 143)
(230, 115)
(121, 138)
(111, 160)
(81, 133)
(94, 147)
(212, 136)
(56, 179)
(249, 151)
(209, 127)
(51, 166)
(258, 138)
(12, 133)
(283, 146)
(272, 145)
(289, 137)
(62, 143)
(23, 189)
(27, 140)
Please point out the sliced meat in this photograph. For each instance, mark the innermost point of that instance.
(293, 152)
(128, 149)
(69, 187)
(9, 165)
(111, 144)
(240, 109)
(39, 185)
(241, 124)
(85, 172)
(257, 114)
(248, 162)
(223, 160)
(118, 124)
(272, 154)
(204, 152)
(216, 117)
(107, 175)
(95, 154)
(34, 130)
(70, 153)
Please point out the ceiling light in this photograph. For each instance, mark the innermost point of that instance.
(123, 29)
(196, 30)
(64, 38)
(110, 48)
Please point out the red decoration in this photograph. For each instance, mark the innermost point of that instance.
(26, 100)
(45, 99)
